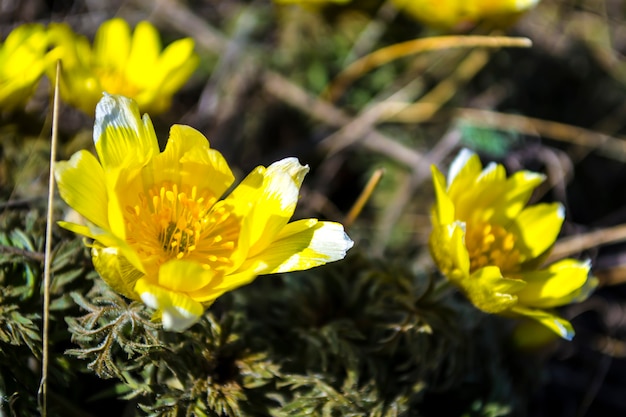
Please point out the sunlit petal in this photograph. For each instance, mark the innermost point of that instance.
(304, 244)
(82, 185)
(556, 285)
(178, 311)
(557, 324)
(538, 227)
(120, 134)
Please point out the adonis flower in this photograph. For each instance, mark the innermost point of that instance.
(449, 13)
(486, 242)
(163, 234)
(22, 62)
(134, 65)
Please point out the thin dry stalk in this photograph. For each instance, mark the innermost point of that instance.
(390, 53)
(43, 385)
(433, 101)
(327, 113)
(604, 144)
(575, 244)
(366, 194)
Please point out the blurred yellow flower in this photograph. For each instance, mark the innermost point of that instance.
(134, 65)
(311, 2)
(22, 62)
(486, 242)
(162, 232)
(450, 13)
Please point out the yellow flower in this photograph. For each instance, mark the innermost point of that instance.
(489, 244)
(162, 232)
(134, 66)
(22, 62)
(311, 2)
(449, 13)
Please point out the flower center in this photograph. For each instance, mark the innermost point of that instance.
(113, 82)
(490, 244)
(171, 223)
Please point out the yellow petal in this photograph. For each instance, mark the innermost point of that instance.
(176, 64)
(112, 44)
(115, 270)
(304, 244)
(178, 311)
(184, 276)
(144, 53)
(537, 227)
(443, 210)
(120, 135)
(267, 207)
(517, 191)
(463, 173)
(124, 184)
(441, 13)
(221, 285)
(557, 324)
(108, 240)
(22, 62)
(477, 200)
(82, 186)
(80, 229)
(489, 291)
(447, 247)
(556, 285)
(189, 159)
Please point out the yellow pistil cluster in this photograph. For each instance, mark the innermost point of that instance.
(170, 223)
(491, 244)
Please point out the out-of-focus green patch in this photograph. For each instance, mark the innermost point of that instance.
(495, 143)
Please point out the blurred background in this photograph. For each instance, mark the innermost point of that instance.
(273, 81)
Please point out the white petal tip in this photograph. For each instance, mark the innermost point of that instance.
(115, 110)
(349, 243)
(531, 176)
(459, 162)
(149, 300)
(175, 319)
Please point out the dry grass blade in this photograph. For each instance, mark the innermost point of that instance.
(43, 387)
(578, 243)
(399, 50)
(326, 112)
(364, 197)
(430, 103)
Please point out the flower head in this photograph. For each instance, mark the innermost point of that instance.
(133, 65)
(450, 13)
(22, 62)
(163, 234)
(489, 244)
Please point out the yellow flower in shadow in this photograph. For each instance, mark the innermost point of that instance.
(22, 63)
(163, 233)
(133, 65)
(490, 245)
(450, 13)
